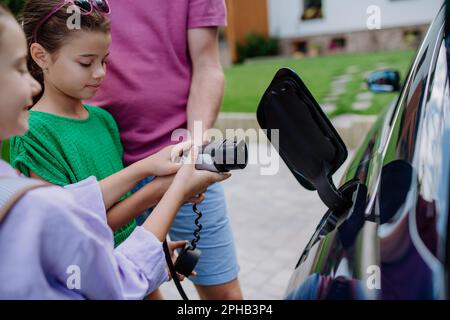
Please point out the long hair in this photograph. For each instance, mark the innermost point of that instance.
(54, 32)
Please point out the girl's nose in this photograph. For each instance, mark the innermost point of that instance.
(100, 72)
(35, 86)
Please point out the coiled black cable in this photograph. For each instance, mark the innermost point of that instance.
(193, 247)
(173, 273)
(198, 229)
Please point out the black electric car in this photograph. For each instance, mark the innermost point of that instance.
(386, 232)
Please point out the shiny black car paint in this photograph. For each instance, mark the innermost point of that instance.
(393, 242)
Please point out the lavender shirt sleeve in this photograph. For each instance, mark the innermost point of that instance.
(76, 236)
(89, 196)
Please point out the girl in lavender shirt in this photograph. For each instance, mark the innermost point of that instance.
(52, 230)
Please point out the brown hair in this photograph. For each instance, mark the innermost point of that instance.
(54, 32)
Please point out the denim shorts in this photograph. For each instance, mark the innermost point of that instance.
(218, 262)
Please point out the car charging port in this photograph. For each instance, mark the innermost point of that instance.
(331, 219)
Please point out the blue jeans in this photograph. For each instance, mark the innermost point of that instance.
(218, 262)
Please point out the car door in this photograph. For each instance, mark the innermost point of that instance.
(413, 210)
(374, 250)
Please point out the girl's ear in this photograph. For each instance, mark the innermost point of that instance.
(40, 55)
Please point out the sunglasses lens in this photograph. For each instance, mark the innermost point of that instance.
(84, 5)
(102, 5)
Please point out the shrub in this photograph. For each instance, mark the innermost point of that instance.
(256, 45)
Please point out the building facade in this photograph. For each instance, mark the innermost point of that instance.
(311, 27)
(326, 26)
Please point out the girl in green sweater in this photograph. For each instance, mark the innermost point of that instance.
(68, 141)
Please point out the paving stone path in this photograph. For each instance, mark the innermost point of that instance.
(363, 100)
(338, 87)
(272, 218)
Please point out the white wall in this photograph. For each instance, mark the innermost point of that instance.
(347, 15)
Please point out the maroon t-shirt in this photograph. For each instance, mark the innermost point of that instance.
(149, 70)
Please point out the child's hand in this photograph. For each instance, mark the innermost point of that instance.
(191, 182)
(196, 199)
(163, 162)
(173, 245)
(164, 182)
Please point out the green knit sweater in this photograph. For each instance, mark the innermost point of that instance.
(64, 151)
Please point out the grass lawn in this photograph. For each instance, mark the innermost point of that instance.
(246, 83)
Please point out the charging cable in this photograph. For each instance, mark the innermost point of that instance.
(188, 257)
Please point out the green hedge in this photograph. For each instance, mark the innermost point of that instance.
(256, 45)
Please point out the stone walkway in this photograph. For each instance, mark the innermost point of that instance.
(337, 88)
(273, 218)
(363, 100)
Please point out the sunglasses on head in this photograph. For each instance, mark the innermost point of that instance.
(86, 8)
